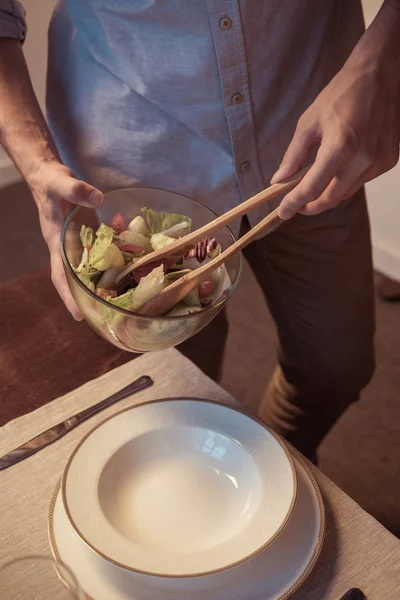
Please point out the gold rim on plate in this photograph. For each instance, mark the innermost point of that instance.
(295, 586)
(184, 575)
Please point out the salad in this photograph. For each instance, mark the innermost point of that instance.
(109, 255)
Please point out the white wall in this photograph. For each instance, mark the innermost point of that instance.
(383, 193)
(35, 49)
(384, 202)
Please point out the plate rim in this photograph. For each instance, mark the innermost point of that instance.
(299, 581)
(225, 405)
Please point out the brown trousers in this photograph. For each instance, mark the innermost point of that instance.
(316, 275)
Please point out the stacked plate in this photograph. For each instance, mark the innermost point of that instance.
(186, 498)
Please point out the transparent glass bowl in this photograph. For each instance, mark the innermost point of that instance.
(128, 330)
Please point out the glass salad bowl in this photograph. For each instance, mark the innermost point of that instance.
(124, 328)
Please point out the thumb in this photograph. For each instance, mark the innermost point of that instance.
(66, 187)
(295, 156)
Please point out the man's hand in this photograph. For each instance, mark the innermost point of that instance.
(355, 120)
(26, 137)
(56, 192)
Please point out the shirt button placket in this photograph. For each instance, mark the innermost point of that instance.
(231, 55)
(238, 99)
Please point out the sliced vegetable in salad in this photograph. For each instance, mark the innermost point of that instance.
(108, 253)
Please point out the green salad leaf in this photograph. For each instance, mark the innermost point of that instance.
(174, 275)
(133, 237)
(160, 240)
(148, 287)
(171, 224)
(138, 225)
(86, 275)
(104, 239)
(135, 298)
(124, 300)
(87, 236)
(104, 254)
(111, 257)
(192, 299)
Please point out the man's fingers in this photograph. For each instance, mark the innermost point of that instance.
(299, 148)
(340, 188)
(60, 281)
(347, 181)
(55, 191)
(65, 187)
(326, 166)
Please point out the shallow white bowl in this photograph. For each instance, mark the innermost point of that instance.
(179, 488)
(273, 574)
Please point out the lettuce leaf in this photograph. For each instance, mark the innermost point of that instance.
(178, 230)
(111, 257)
(148, 287)
(190, 263)
(85, 272)
(104, 239)
(105, 232)
(216, 252)
(109, 315)
(124, 300)
(135, 298)
(84, 260)
(133, 237)
(174, 275)
(192, 299)
(87, 236)
(86, 275)
(138, 225)
(163, 222)
(159, 240)
(222, 283)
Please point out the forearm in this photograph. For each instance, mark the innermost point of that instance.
(355, 120)
(23, 129)
(380, 45)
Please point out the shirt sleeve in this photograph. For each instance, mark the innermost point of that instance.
(12, 20)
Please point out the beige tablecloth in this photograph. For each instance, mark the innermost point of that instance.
(358, 551)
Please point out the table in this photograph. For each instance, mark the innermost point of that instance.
(358, 551)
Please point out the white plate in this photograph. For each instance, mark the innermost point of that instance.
(274, 574)
(179, 487)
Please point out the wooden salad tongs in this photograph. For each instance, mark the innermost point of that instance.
(179, 289)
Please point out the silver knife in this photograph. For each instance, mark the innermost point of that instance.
(58, 431)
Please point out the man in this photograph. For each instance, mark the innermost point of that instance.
(205, 98)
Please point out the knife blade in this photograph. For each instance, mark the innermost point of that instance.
(58, 431)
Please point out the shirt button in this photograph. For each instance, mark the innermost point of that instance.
(237, 98)
(245, 166)
(225, 23)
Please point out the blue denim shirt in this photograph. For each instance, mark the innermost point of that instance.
(197, 96)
